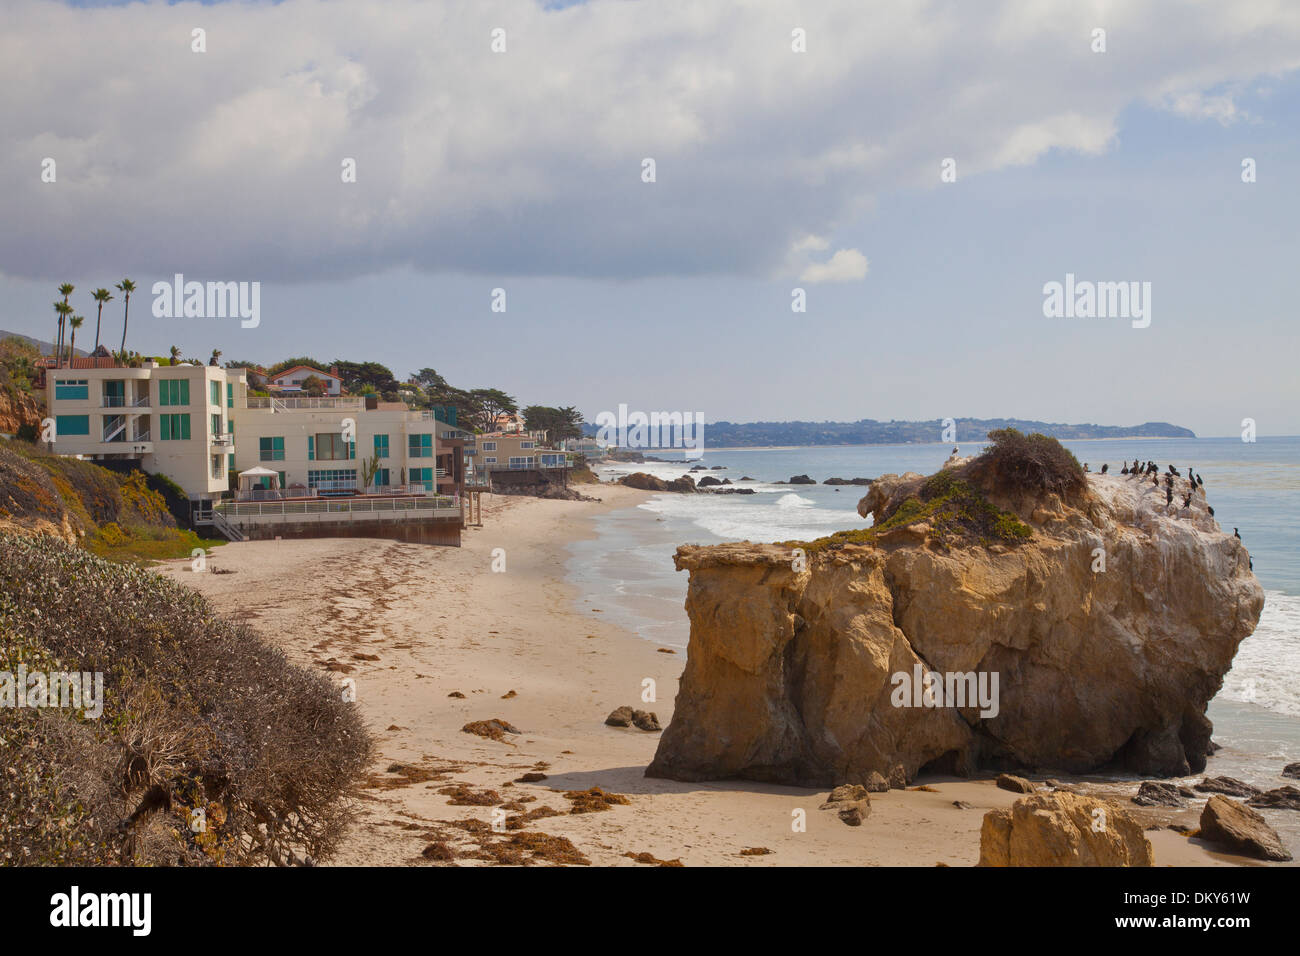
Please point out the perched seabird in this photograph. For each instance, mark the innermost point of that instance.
(1200, 482)
(1086, 468)
(1105, 467)
(1251, 562)
(1236, 534)
(1169, 496)
(1124, 470)
(1210, 510)
(1187, 500)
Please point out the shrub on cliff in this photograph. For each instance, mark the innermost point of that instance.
(202, 722)
(1029, 463)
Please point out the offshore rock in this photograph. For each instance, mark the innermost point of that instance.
(793, 661)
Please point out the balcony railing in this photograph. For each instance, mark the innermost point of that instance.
(340, 506)
(121, 401)
(294, 404)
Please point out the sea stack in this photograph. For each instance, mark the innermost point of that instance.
(793, 667)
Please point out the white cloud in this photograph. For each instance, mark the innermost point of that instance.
(845, 266)
(226, 164)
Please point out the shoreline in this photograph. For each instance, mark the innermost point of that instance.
(413, 624)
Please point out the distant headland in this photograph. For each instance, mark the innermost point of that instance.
(870, 432)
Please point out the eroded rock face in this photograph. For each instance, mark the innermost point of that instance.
(790, 672)
(1062, 829)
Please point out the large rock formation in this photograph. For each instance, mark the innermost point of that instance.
(798, 666)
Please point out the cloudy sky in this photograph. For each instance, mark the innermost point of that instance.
(773, 170)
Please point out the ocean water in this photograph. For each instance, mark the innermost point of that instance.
(627, 569)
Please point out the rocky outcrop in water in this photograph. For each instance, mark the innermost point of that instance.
(1095, 629)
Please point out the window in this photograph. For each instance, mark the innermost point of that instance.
(72, 389)
(214, 393)
(270, 449)
(489, 460)
(330, 446)
(311, 447)
(216, 424)
(422, 476)
(525, 444)
(174, 427)
(230, 461)
(420, 446)
(381, 446)
(71, 425)
(382, 478)
(332, 479)
(517, 461)
(489, 446)
(552, 461)
(216, 466)
(230, 396)
(173, 391)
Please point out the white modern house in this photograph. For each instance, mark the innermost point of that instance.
(299, 457)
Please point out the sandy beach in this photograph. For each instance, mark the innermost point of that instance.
(415, 625)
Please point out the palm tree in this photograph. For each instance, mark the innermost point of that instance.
(64, 311)
(101, 296)
(126, 287)
(175, 355)
(75, 322)
(216, 354)
(65, 290)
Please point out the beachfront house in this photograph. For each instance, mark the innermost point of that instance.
(310, 466)
(292, 379)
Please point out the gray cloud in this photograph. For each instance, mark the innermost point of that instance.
(226, 164)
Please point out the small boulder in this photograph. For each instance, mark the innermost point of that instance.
(646, 720)
(1008, 781)
(800, 480)
(1154, 793)
(620, 717)
(876, 783)
(1292, 770)
(1234, 825)
(851, 802)
(708, 481)
(898, 778)
(1062, 829)
(1228, 786)
(1283, 798)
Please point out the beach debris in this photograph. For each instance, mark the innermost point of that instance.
(509, 695)
(1283, 798)
(457, 694)
(962, 805)
(495, 729)
(533, 776)
(463, 796)
(1157, 794)
(1228, 786)
(755, 851)
(1009, 781)
(620, 717)
(594, 800)
(666, 650)
(521, 820)
(365, 657)
(1060, 829)
(851, 802)
(651, 860)
(438, 850)
(1232, 824)
(924, 788)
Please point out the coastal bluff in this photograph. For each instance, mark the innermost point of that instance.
(1103, 621)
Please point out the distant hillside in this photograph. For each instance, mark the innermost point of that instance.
(871, 432)
(46, 348)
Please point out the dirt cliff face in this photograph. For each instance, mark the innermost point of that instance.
(794, 668)
(18, 409)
